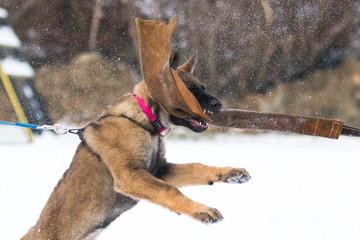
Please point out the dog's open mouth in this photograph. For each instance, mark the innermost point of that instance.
(195, 123)
(198, 122)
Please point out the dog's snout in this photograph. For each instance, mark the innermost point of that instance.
(216, 103)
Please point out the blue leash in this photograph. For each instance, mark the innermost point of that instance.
(20, 124)
(56, 127)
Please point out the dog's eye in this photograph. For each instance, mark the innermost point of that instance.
(197, 88)
(193, 88)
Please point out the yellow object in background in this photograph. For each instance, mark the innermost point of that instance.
(14, 101)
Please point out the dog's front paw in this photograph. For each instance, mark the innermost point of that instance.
(237, 175)
(208, 215)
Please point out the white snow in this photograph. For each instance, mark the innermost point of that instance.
(301, 188)
(14, 67)
(8, 37)
(11, 135)
(3, 13)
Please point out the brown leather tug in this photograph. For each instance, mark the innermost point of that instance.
(313, 126)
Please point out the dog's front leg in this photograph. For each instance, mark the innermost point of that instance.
(180, 175)
(140, 184)
(125, 160)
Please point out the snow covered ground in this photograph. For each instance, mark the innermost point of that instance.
(301, 188)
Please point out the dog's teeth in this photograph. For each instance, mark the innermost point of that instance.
(208, 111)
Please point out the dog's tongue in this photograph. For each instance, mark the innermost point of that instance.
(163, 83)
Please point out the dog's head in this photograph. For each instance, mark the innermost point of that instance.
(210, 104)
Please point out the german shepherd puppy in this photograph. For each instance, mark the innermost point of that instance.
(121, 160)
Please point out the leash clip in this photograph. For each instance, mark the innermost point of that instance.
(56, 128)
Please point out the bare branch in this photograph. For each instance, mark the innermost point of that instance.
(95, 23)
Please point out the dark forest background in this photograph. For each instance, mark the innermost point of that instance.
(252, 54)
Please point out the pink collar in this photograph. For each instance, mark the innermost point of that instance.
(145, 108)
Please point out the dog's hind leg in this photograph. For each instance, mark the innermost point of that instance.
(181, 175)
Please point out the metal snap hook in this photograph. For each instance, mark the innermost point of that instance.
(165, 132)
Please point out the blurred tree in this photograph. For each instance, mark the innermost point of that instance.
(55, 31)
(251, 46)
(242, 46)
(95, 24)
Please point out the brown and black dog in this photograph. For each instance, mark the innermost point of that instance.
(121, 160)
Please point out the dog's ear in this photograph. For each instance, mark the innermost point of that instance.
(189, 65)
(163, 83)
(174, 59)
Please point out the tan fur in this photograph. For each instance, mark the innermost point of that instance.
(120, 161)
